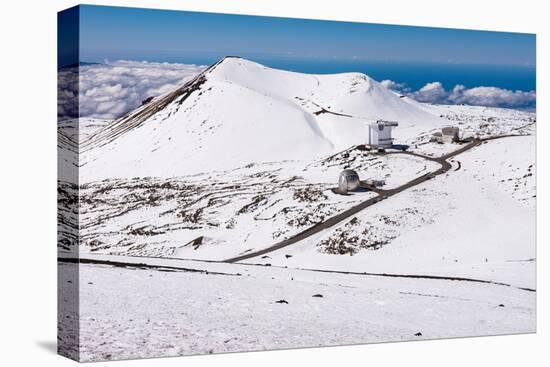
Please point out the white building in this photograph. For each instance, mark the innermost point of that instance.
(450, 134)
(380, 133)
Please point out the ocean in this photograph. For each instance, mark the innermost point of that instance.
(415, 75)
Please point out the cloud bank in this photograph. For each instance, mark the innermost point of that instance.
(479, 96)
(109, 90)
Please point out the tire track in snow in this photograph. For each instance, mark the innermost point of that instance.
(141, 263)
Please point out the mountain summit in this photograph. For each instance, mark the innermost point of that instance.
(237, 112)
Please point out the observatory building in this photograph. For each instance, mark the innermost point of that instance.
(380, 133)
(450, 134)
(348, 181)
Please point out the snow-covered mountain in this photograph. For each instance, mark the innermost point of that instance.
(237, 112)
(180, 200)
(243, 156)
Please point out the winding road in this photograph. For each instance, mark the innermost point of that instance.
(382, 195)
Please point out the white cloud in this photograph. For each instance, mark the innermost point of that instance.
(109, 90)
(431, 92)
(67, 92)
(434, 92)
(491, 96)
(398, 87)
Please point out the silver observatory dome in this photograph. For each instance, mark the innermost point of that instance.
(348, 181)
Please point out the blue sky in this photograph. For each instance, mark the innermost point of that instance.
(159, 35)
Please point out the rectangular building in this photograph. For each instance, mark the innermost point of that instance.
(380, 133)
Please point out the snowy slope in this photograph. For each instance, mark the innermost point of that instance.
(483, 210)
(230, 212)
(238, 112)
(478, 222)
(244, 157)
(168, 307)
(231, 307)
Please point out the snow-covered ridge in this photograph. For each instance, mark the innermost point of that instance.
(237, 112)
(221, 193)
